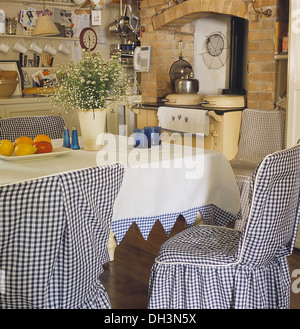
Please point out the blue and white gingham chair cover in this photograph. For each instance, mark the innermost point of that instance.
(217, 267)
(53, 239)
(262, 133)
(31, 126)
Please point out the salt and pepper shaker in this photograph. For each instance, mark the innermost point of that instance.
(66, 142)
(75, 144)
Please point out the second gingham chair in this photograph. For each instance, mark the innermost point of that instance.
(218, 267)
(31, 126)
(262, 133)
(53, 239)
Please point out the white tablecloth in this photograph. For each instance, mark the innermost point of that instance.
(159, 183)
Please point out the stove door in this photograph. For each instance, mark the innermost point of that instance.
(193, 121)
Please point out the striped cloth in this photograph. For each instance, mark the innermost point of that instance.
(217, 267)
(51, 125)
(262, 133)
(53, 238)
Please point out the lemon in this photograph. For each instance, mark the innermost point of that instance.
(6, 147)
(25, 149)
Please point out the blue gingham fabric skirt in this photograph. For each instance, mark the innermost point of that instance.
(53, 239)
(211, 214)
(203, 275)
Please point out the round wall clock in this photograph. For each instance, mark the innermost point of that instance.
(88, 38)
(215, 50)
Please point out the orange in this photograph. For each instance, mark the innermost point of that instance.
(25, 149)
(24, 139)
(6, 147)
(42, 138)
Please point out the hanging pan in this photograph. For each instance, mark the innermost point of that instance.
(179, 68)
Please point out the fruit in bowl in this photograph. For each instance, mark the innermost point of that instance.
(42, 138)
(23, 139)
(25, 149)
(43, 147)
(25, 145)
(6, 147)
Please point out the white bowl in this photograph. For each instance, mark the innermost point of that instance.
(78, 2)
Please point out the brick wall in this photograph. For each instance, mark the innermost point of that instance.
(261, 63)
(165, 27)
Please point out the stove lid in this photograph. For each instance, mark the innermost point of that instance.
(224, 101)
(184, 99)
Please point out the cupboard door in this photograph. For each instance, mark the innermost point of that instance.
(141, 118)
(152, 118)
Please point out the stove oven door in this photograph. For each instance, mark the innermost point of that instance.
(222, 136)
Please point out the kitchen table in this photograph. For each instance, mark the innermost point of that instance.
(159, 183)
(47, 202)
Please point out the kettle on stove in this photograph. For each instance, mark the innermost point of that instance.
(187, 84)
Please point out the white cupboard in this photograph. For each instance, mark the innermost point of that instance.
(293, 81)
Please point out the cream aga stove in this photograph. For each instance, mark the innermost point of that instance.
(212, 122)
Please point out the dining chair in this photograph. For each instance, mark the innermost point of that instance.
(53, 239)
(262, 133)
(31, 126)
(217, 267)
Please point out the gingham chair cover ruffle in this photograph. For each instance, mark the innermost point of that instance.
(218, 267)
(31, 126)
(53, 238)
(262, 133)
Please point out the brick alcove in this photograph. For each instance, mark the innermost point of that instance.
(165, 27)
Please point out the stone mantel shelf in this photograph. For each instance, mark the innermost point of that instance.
(188, 11)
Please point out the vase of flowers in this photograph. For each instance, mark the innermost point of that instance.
(87, 86)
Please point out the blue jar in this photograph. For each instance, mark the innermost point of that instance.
(66, 138)
(140, 139)
(75, 143)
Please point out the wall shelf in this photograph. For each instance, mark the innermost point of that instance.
(40, 2)
(20, 36)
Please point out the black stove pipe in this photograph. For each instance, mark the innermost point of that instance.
(236, 67)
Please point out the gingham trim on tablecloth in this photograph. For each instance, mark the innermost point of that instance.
(210, 213)
(12, 128)
(53, 238)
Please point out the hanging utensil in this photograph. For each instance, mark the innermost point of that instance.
(114, 28)
(179, 68)
(124, 21)
(133, 20)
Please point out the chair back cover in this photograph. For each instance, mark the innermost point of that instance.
(262, 133)
(31, 126)
(275, 210)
